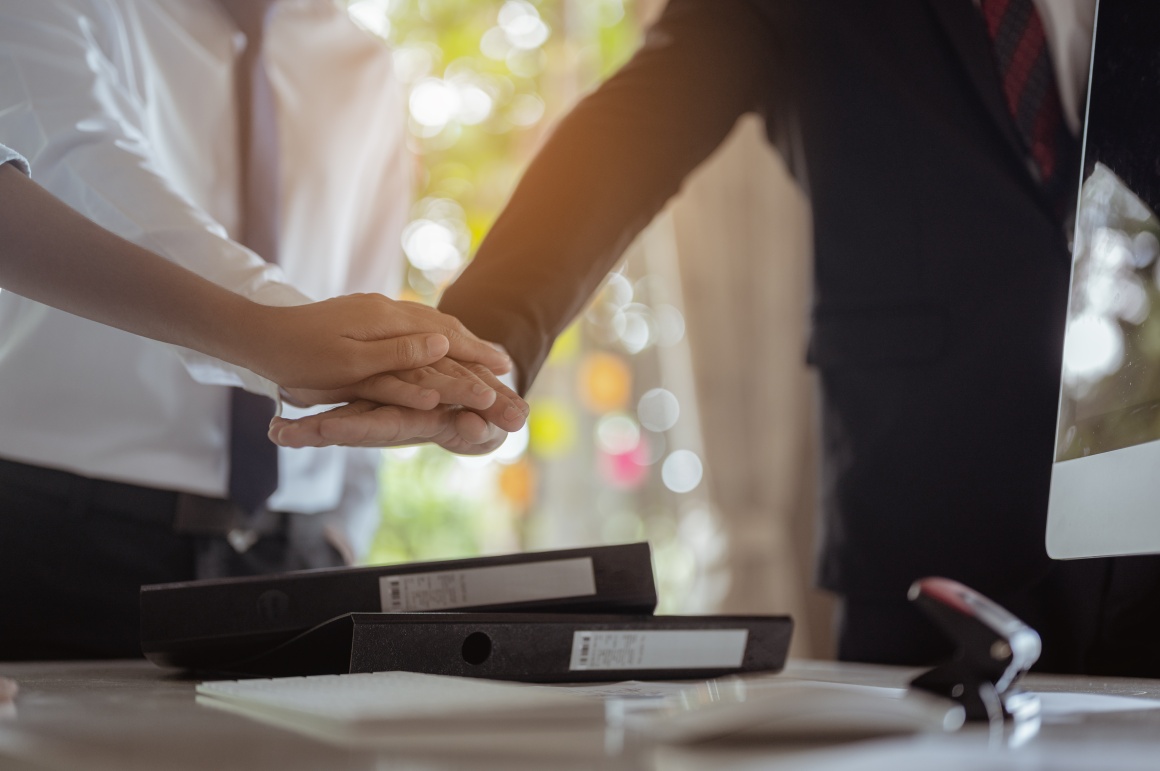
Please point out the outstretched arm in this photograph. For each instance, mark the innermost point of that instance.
(51, 254)
(610, 165)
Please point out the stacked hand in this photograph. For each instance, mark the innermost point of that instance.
(402, 372)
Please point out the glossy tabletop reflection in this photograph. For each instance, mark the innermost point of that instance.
(131, 715)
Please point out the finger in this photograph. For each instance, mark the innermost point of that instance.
(365, 424)
(454, 383)
(509, 411)
(305, 432)
(492, 380)
(473, 435)
(383, 388)
(361, 424)
(465, 348)
(397, 388)
(384, 427)
(404, 352)
(473, 429)
(465, 345)
(469, 434)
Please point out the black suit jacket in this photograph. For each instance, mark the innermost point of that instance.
(941, 269)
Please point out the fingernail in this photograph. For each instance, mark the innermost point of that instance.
(510, 413)
(426, 393)
(479, 389)
(435, 344)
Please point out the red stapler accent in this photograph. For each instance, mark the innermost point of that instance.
(994, 649)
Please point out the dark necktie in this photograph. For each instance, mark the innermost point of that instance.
(1031, 91)
(253, 457)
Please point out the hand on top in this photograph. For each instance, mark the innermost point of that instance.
(404, 372)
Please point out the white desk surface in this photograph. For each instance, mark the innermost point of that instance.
(130, 715)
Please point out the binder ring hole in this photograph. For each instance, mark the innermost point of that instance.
(476, 648)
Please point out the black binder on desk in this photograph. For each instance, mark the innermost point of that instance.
(532, 647)
(209, 624)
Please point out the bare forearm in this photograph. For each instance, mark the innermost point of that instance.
(610, 165)
(51, 254)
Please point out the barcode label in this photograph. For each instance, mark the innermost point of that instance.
(394, 601)
(502, 584)
(584, 656)
(665, 649)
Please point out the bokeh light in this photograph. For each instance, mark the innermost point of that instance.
(551, 428)
(1094, 348)
(371, 15)
(605, 382)
(434, 102)
(670, 325)
(522, 25)
(652, 448)
(567, 346)
(634, 327)
(526, 110)
(431, 245)
(682, 471)
(625, 470)
(617, 434)
(1145, 248)
(617, 291)
(415, 61)
(517, 482)
(514, 447)
(475, 104)
(658, 410)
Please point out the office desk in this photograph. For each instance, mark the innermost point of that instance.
(130, 715)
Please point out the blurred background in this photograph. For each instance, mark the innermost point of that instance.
(677, 409)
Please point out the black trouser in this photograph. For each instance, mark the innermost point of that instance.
(1097, 617)
(75, 551)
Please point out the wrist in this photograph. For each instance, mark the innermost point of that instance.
(242, 333)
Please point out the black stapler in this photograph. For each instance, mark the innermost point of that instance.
(994, 650)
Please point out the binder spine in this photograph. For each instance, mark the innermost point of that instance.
(539, 648)
(208, 622)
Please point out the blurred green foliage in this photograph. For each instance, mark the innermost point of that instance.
(485, 83)
(435, 508)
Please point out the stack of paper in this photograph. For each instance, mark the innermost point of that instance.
(408, 709)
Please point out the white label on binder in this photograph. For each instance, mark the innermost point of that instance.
(550, 580)
(665, 649)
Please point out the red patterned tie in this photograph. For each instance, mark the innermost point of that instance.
(1029, 86)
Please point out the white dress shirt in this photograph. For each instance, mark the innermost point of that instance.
(8, 155)
(1069, 25)
(125, 108)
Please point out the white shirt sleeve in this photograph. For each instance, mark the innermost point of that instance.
(71, 98)
(8, 155)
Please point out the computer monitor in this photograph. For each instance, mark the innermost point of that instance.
(1105, 484)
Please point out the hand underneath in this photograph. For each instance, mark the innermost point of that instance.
(367, 424)
(346, 340)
